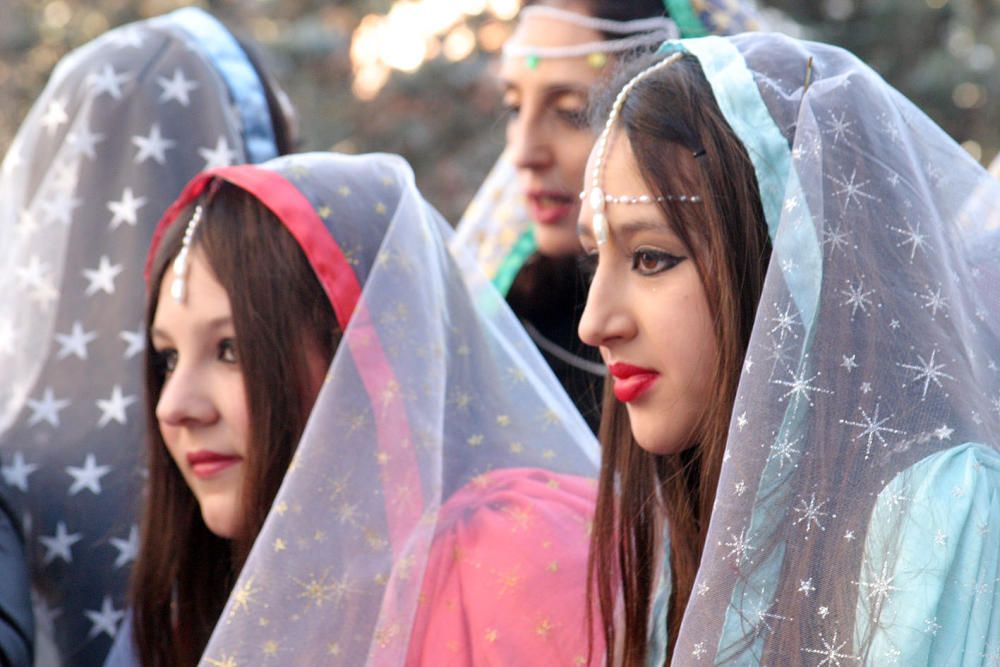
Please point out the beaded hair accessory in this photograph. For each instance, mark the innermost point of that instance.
(598, 198)
(653, 30)
(178, 288)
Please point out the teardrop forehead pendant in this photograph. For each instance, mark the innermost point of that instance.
(598, 199)
(178, 287)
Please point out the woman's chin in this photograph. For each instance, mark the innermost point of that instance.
(557, 240)
(221, 521)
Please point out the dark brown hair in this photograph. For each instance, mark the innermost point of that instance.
(281, 315)
(613, 10)
(682, 143)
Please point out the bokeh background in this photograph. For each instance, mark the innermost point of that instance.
(415, 76)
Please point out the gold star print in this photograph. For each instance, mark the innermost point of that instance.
(464, 350)
(319, 536)
(338, 488)
(405, 567)
(390, 393)
(344, 191)
(503, 420)
(382, 458)
(375, 540)
(225, 662)
(551, 418)
(324, 212)
(359, 421)
(548, 455)
(544, 628)
(316, 591)
(263, 622)
(380, 208)
(270, 647)
(333, 648)
(348, 513)
(384, 636)
(481, 481)
(281, 508)
(298, 171)
(517, 374)
(491, 635)
(475, 440)
(553, 484)
(388, 180)
(243, 597)
(519, 516)
(553, 566)
(279, 545)
(462, 400)
(509, 581)
(516, 448)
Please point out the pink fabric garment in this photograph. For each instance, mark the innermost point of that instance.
(505, 577)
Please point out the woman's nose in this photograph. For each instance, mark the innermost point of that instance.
(527, 143)
(606, 317)
(185, 399)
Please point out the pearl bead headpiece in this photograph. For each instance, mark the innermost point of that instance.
(598, 198)
(178, 288)
(640, 32)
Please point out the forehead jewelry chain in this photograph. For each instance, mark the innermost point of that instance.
(635, 33)
(178, 288)
(598, 199)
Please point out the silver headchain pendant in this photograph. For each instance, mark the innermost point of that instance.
(598, 199)
(178, 288)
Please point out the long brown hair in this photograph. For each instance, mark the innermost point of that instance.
(682, 143)
(281, 314)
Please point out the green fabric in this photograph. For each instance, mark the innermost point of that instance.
(686, 18)
(523, 248)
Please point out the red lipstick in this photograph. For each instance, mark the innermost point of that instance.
(631, 382)
(205, 464)
(548, 207)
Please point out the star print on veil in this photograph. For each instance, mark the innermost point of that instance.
(123, 124)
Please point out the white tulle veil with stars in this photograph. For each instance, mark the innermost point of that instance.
(857, 517)
(437, 507)
(122, 125)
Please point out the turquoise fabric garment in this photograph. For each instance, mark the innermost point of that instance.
(851, 524)
(937, 596)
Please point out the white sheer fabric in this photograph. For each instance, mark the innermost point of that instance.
(123, 123)
(439, 430)
(856, 520)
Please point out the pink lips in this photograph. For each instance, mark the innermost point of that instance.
(548, 207)
(631, 381)
(205, 464)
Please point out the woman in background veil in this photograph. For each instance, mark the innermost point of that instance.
(123, 124)
(520, 228)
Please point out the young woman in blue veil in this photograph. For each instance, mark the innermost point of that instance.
(800, 441)
(122, 125)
